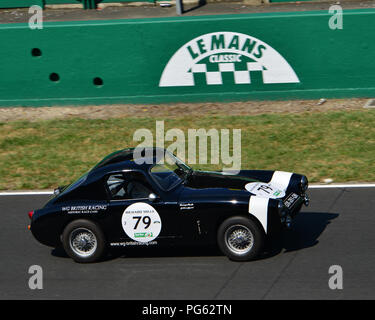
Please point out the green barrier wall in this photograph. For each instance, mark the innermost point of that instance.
(29, 3)
(206, 58)
(20, 3)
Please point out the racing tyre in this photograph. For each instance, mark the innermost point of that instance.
(240, 239)
(84, 241)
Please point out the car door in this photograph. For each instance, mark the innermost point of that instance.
(137, 218)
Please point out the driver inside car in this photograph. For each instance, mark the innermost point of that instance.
(137, 190)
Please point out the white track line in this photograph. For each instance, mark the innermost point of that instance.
(324, 186)
(313, 186)
(26, 193)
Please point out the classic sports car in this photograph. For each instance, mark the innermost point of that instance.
(161, 201)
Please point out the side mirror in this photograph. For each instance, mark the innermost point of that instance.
(152, 197)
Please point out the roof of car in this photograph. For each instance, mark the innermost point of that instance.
(115, 157)
(126, 159)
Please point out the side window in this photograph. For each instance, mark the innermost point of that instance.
(128, 185)
(116, 184)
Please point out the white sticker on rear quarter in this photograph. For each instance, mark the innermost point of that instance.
(281, 179)
(141, 222)
(258, 207)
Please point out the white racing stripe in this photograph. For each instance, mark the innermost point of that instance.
(281, 179)
(258, 207)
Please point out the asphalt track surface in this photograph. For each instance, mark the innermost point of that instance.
(336, 229)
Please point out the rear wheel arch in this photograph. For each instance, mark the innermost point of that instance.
(91, 219)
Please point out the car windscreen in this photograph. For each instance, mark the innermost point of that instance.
(165, 175)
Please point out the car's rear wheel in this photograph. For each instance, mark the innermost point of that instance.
(84, 241)
(240, 238)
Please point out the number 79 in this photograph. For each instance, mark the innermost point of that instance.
(146, 220)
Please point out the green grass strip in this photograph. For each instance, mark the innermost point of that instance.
(338, 145)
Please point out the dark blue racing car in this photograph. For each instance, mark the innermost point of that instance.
(160, 201)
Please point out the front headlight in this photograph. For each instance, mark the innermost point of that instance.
(304, 184)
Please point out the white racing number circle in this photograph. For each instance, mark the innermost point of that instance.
(141, 222)
(265, 190)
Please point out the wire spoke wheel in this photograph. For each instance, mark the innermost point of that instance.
(83, 242)
(239, 239)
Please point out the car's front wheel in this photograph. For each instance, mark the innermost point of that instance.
(84, 241)
(240, 239)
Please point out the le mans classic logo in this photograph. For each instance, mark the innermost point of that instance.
(216, 53)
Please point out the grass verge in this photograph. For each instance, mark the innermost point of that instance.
(337, 144)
